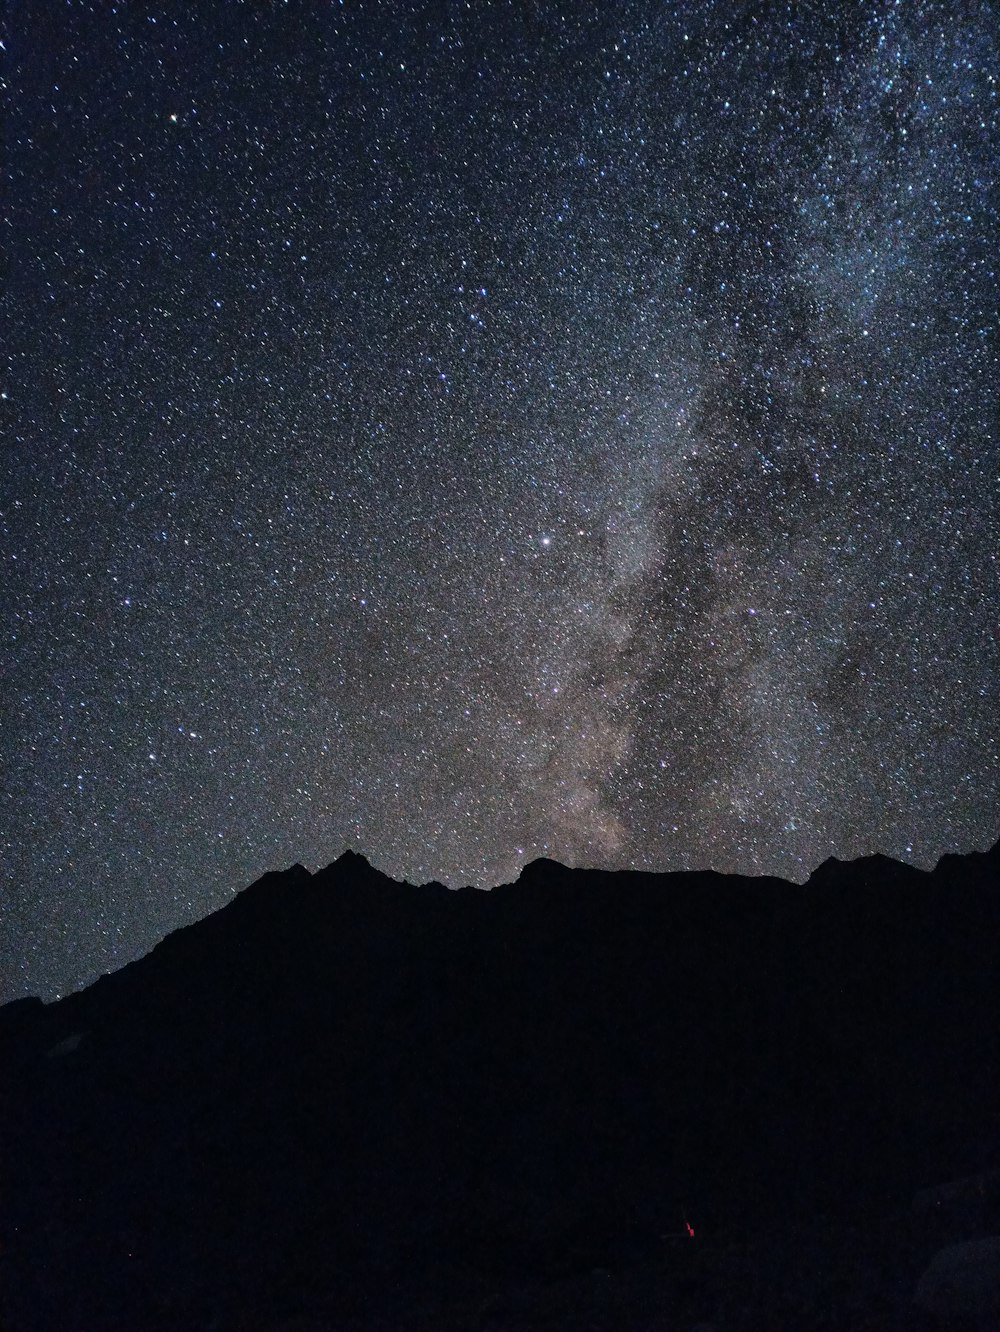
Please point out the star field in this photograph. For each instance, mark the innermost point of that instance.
(469, 432)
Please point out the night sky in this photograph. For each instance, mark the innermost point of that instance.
(470, 432)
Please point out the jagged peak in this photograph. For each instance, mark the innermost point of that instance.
(354, 862)
(874, 863)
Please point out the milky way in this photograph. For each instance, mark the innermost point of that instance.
(469, 433)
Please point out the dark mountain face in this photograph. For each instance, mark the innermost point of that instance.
(339, 1087)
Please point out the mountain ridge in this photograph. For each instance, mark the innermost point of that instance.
(357, 862)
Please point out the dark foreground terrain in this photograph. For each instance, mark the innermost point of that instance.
(584, 1100)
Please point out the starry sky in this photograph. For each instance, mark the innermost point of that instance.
(475, 431)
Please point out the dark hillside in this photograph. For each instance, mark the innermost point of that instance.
(351, 1098)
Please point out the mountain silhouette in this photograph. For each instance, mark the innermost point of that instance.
(344, 1097)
